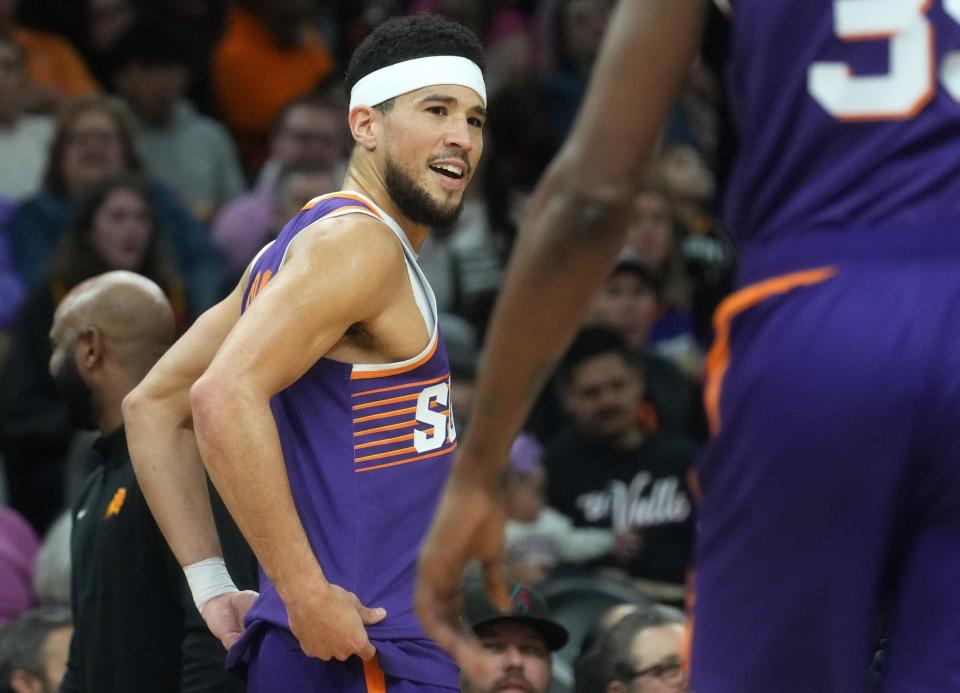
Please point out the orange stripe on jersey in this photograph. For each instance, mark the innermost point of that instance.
(405, 398)
(385, 415)
(374, 677)
(385, 441)
(313, 203)
(400, 387)
(408, 461)
(366, 375)
(718, 359)
(382, 455)
(391, 427)
(346, 209)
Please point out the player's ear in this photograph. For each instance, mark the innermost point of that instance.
(364, 124)
(90, 349)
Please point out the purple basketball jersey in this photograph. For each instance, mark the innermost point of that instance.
(848, 114)
(367, 449)
(826, 513)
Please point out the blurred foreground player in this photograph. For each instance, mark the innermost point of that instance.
(322, 413)
(832, 485)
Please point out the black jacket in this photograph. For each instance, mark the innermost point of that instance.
(136, 629)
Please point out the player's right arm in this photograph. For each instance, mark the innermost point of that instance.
(159, 432)
(569, 236)
(166, 460)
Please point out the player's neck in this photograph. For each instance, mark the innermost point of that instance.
(363, 177)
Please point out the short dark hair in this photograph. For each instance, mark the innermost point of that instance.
(22, 641)
(590, 343)
(608, 659)
(154, 41)
(324, 100)
(297, 168)
(408, 38)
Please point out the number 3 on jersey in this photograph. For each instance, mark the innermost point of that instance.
(442, 424)
(911, 81)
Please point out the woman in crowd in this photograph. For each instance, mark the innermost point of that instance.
(653, 238)
(116, 227)
(94, 140)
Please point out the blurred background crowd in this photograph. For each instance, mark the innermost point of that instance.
(174, 138)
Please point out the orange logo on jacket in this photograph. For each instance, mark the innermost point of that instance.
(116, 503)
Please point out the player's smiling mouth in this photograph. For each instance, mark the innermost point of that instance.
(452, 170)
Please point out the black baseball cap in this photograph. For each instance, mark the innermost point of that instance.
(526, 606)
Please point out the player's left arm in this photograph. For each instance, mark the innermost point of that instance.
(345, 272)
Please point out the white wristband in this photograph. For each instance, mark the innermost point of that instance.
(208, 579)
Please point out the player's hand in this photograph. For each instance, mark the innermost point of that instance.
(330, 623)
(224, 615)
(468, 526)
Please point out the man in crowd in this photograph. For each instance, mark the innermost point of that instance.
(309, 130)
(638, 654)
(190, 153)
(136, 629)
(608, 471)
(33, 651)
(517, 642)
(23, 136)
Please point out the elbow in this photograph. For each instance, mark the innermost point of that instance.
(215, 402)
(134, 406)
(206, 397)
(602, 209)
(131, 405)
(595, 208)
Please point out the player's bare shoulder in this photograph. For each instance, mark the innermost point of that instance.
(352, 241)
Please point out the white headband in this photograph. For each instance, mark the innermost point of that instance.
(410, 75)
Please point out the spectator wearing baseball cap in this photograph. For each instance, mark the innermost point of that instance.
(518, 642)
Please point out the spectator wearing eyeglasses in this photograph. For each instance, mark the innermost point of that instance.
(640, 654)
(309, 131)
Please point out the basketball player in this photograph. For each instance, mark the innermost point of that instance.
(322, 413)
(831, 490)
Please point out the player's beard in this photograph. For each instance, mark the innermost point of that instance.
(415, 202)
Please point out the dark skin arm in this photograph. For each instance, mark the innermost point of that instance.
(568, 240)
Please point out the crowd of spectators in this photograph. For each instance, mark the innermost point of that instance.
(173, 138)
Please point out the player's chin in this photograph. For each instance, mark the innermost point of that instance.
(447, 203)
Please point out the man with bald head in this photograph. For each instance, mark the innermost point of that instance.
(135, 625)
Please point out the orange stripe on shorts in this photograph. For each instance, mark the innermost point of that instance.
(374, 677)
(719, 357)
